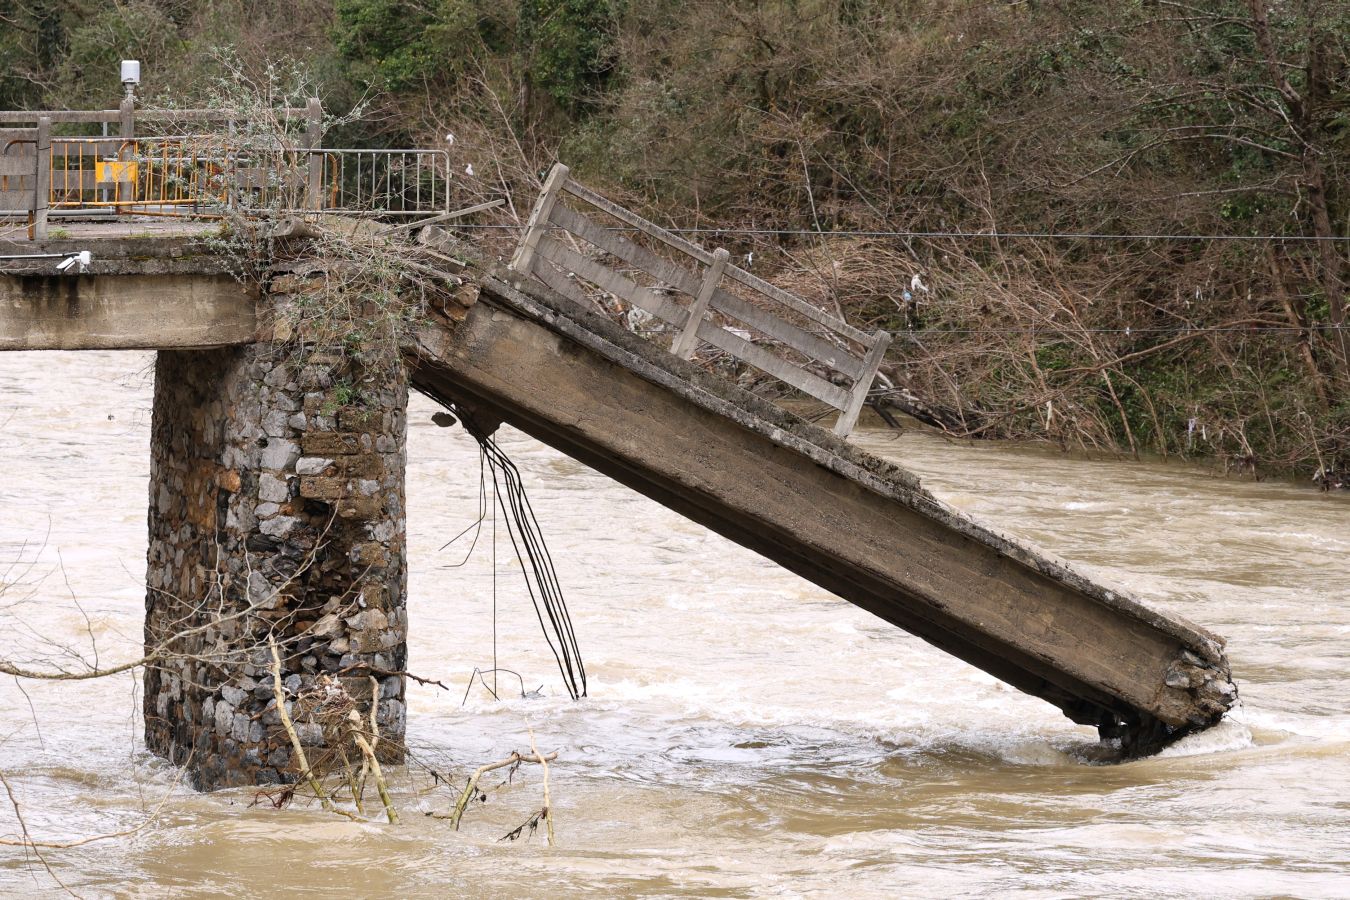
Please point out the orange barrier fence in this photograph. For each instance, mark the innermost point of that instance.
(202, 176)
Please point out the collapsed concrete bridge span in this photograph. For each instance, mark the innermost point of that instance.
(854, 524)
(276, 489)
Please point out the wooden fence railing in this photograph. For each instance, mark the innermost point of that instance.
(822, 339)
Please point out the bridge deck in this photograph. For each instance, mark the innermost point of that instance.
(148, 285)
(850, 522)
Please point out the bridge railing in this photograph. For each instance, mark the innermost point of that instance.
(386, 182)
(796, 339)
(211, 171)
(164, 176)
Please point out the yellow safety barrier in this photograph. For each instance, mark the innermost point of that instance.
(201, 176)
(167, 176)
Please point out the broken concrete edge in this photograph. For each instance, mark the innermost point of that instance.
(1200, 661)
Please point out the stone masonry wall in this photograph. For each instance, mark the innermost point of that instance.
(276, 507)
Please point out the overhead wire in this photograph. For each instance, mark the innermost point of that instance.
(1197, 329)
(1028, 330)
(971, 235)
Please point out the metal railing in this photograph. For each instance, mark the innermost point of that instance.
(150, 176)
(386, 182)
(202, 176)
(213, 173)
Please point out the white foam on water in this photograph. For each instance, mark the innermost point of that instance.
(1226, 737)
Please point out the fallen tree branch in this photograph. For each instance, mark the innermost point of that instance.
(385, 673)
(368, 751)
(297, 748)
(547, 812)
(471, 788)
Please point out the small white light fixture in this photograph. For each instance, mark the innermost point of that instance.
(77, 260)
(131, 76)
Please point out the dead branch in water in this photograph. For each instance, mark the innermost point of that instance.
(471, 789)
(370, 760)
(279, 692)
(547, 811)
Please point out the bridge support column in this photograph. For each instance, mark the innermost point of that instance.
(276, 509)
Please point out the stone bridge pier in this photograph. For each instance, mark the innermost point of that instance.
(276, 509)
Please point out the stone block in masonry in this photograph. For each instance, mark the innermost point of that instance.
(371, 553)
(364, 465)
(312, 465)
(322, 487)
(330, 443)
(356, 508)
(359, 421)
(271, 487)
(261, 523)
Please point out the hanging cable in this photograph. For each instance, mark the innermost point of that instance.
(527, 540)
(477, 525)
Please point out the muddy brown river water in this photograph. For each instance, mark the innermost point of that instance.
(747, 734)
